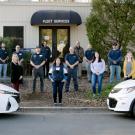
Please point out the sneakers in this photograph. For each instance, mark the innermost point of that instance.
(94, 95)
(57, 104)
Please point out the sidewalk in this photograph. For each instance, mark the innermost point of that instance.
(63, 109)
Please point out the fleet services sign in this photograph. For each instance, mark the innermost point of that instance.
(51, 21)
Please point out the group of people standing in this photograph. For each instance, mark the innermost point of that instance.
(62, 72)
(16, 65)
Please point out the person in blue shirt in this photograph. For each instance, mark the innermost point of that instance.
(19, 54)
(21, 58)
(58, 75)
(71, 60)
(3, 60)
(37, 61)
(47, 52)
(89, 55)
(114, 58)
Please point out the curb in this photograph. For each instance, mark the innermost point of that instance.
(62, 109)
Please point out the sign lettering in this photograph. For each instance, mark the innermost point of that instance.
(56, 21)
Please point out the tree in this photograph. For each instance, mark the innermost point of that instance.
(109, 21)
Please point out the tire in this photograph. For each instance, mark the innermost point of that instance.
(133, 110)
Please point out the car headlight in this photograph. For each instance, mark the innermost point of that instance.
(2, 92)
(131, 89)
(116, 90)
(7, 92)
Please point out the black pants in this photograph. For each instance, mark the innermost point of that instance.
(38, 73)
(46, 68)
(57, 89)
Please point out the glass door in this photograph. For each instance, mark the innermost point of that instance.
(62, 42)
(46, 34)
(58, 39)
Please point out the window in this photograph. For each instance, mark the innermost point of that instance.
(14, 32)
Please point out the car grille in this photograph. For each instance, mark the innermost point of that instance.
(8, 106)
(112, 102)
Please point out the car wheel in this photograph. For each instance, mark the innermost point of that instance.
(133, 110)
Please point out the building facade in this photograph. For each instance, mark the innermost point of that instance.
(59, 22)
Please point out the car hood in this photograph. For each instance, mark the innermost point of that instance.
(7, 88)
(126, 84)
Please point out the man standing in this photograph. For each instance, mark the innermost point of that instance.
(19, 54)
(89, 55)
(47, 53)
(20, 61)
(115, 57)
(79, 51)
(3, 61)
(72, 61)
(37, 61)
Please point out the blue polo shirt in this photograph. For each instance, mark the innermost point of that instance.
(71, 58)
(46, 51)
(89, 54)
(3, 55)
(20, 55)
(37, 59)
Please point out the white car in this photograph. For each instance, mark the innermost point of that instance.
(122, 97)
(9, 99)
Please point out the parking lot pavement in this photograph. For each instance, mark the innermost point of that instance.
(59, 123)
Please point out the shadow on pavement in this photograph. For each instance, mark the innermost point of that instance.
(7, 116)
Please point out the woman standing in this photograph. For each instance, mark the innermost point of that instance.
(97, 68)
(129, 66)
(58, 75)
(16, 72)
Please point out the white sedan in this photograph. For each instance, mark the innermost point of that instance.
(122, 97)
(9, 99)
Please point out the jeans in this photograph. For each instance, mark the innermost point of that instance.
(4, 68)
(36, 73)
(89, 74)
(97, 79)
(72, 73)
(113, 69)
(57, 88)
(79, 71)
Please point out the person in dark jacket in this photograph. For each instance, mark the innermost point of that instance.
(37, 61)
(3, 60)
(16, 72)
(47, 53)
(89, 56)
(79, 51)
(114, 58)
(58, 75)
(71, 60)
(20, 56)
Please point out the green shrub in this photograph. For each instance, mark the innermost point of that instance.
(109, 21)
